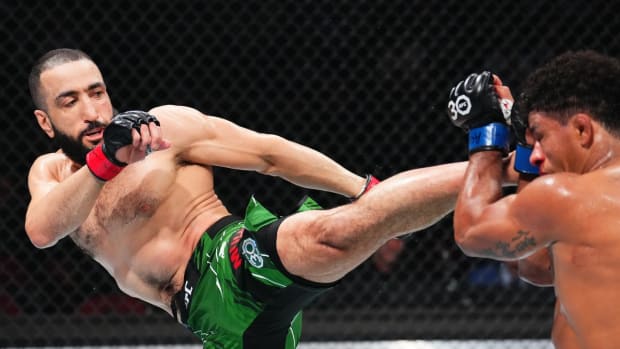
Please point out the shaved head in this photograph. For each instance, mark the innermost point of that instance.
(50, 60)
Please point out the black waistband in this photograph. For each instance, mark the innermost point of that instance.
(181, 300)
(221, 224)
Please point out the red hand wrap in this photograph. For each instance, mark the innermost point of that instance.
(371, 181)
(100, 166)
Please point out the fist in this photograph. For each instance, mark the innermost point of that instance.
(474, 102)
(135, 127)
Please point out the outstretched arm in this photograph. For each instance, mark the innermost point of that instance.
(214, 141)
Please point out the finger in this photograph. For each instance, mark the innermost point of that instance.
(135, 138)
(156, 136)
(497, 80)
(503, 92)
(459, 87)
(165, 144)
(152, 119)
(482, 80)
(145, 137)
(470, 82)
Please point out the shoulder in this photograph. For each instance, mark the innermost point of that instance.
(50, 165)
(50, 160)
(171, 111)
(177, 118)
(184, 125)
(562, 184)
(551, 188)
(546, 202)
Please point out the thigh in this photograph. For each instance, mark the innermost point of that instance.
(323, 246)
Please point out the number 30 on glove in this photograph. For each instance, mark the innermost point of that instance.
(475, 107)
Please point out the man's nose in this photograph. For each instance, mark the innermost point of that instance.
(89, 111)
(537, 157)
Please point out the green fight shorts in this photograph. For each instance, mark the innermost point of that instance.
(237, 294)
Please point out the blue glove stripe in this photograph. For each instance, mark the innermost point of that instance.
(522, 160)
(494, 136)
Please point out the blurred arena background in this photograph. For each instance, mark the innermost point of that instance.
(365, 82)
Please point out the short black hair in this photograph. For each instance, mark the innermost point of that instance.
(50, 60)
(573, 82)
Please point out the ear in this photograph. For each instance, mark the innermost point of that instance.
(44, 122)
(584, 129)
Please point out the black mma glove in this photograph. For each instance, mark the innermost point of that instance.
(475, 107)
(102, 161)
(523, 150)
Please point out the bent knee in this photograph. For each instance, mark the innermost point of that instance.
(310, 246)
(330, 229)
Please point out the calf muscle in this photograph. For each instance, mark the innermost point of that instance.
(335, 241)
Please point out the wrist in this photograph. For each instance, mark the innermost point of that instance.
(100, 165)
(370, 182)
(493, 136)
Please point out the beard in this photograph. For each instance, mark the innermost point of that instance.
(72, 147)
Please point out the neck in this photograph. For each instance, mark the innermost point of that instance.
(602, 161)
(607, 155)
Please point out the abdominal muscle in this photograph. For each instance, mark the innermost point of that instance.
(586, 284)
(144, 236)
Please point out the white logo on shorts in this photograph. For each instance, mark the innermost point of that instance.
(188, 293)
(250, 252)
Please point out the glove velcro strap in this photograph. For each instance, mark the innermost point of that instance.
(100, 166)
(522, 160)
(494, 136)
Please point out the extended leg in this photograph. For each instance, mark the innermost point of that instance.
(323, 246)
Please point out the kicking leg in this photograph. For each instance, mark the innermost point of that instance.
(323, 246)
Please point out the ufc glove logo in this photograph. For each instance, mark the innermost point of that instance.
(462, 106)
(474, 102)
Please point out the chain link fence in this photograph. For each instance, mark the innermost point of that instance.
(364, 82)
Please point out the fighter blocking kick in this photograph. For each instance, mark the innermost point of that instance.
(570, 106)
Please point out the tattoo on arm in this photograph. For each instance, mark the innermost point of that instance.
(520, 242)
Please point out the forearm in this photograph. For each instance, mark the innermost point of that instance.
(63, 209)
(309, 168)
(482, 187)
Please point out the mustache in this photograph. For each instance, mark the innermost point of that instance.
(91, 126)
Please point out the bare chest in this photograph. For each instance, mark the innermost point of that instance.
(125, 205)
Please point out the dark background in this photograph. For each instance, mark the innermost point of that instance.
(365, 82)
